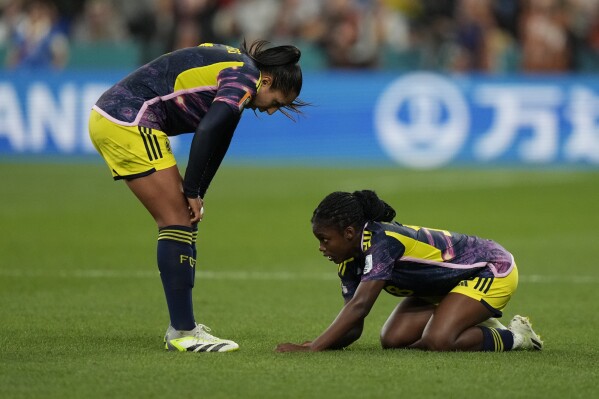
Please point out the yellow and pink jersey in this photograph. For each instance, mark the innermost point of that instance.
(420, 261)
(174, 92)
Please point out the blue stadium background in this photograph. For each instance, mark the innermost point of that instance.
(415, 120)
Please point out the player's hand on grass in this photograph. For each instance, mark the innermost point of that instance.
(196, 209)
(289, 347)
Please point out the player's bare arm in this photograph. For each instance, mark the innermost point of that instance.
(353, 314)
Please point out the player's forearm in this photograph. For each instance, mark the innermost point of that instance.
(342, 331)
(213, 165)
(208, 148)
(352, 336)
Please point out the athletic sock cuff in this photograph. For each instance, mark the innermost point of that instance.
(194, 234)
(496, 340)
(177, 233)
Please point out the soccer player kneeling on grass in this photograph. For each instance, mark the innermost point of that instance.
(455, 285)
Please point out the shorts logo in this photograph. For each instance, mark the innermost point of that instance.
(167, 145)
(150, 142)
(483, 284)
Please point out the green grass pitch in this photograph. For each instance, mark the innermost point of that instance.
(82, 313)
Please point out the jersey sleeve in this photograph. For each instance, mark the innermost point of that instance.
(208, 148)
(237, 86)
(380, 254)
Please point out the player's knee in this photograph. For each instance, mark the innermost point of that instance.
(394, 341)
(177, 216)
(437, 342)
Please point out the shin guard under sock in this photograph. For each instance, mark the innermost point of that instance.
(176, 263)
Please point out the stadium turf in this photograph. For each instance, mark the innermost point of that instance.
(82, 310)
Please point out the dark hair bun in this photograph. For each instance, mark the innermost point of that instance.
(282, 55)
(296, 55)
(374, 208)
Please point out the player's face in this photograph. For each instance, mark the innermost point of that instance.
(337, 245)
(269, 100)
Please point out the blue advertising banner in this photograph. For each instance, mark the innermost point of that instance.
(416, 120)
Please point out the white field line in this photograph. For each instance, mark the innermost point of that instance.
(254, 275)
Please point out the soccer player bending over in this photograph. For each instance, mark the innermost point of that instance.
(455, 285)
(204, 90)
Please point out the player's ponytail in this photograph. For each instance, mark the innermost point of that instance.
(342, 209)
(273, 56)
(281, 63)
(375, 209)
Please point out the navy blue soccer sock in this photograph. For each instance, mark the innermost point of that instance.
(497, 340)
(176, 263)
(194, 238)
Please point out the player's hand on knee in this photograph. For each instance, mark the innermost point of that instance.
(196, 209)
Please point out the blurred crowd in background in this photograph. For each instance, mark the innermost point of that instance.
(489, 36)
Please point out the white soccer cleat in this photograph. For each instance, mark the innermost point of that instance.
(524, 336)
(196, 340)
(492, 322)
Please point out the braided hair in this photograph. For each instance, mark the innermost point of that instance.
(342, 209)
(281, 63)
